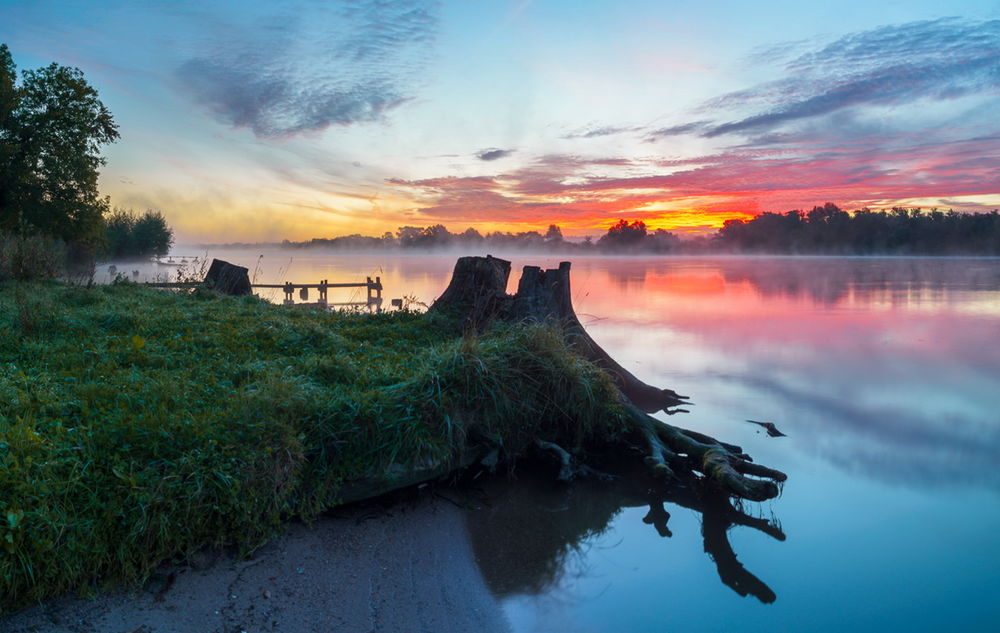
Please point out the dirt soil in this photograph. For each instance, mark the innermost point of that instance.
(403, 567)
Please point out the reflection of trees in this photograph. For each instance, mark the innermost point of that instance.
(525, 534)
(831, 280)
(626, 274)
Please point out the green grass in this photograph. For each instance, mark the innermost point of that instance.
(138, 425)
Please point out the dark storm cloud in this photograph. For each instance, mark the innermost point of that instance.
(493, 153)
(325, 66)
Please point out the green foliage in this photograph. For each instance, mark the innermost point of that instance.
(28, 257)
(130, 235)
(52, 126)
(138, 425)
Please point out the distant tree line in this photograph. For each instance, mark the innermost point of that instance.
(830, 230)
(822, 230)
(623, 237)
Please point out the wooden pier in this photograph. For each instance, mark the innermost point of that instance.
(168, 260)
(373, 288)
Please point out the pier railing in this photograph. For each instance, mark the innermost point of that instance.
(373, 289)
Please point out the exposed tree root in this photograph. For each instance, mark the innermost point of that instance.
(671, 449)
(570, 468)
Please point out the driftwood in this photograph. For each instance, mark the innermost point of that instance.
(477, 297)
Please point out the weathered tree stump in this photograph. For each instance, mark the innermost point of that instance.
(229, 279)
(477, 297)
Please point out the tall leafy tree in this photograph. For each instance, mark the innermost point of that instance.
(52, 126)
(554, 234)
(128, 234)
(152, 236)
(623, 236)
(8, 145)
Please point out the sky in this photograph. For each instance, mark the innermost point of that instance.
(263, 121)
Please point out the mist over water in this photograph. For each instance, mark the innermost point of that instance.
(883, 372)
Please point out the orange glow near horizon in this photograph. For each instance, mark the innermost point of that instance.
(527, 200)
(595, 221)
(303, 222)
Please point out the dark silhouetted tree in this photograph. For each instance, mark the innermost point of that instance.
(553, 235)
(661, 241)
(407, 235)
(434, 236)
(118, 228)
(52, 126)
(127, 234)
(152, 236)
(623, 236)
(471, 237)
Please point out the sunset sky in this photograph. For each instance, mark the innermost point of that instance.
(291, 120)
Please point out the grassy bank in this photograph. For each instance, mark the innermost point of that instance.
(138, 425)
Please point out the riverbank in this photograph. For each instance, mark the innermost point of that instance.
(403, 566)
(138, 426)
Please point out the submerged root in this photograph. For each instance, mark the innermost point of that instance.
(569, 467)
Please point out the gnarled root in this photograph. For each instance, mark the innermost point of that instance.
(569, 467)
(671, 450)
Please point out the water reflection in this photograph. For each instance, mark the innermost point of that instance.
(833, 280)
(525, 533)
(887, 367)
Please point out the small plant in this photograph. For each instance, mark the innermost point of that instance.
(256, 269)
(27, 317)
(192, 272)
(411, 303)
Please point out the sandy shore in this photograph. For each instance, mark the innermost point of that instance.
(403, 567)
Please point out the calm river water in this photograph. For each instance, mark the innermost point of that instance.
(883, 372)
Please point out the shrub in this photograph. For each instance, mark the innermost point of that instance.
(31, 257)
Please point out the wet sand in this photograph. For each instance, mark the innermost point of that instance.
(377, 567)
